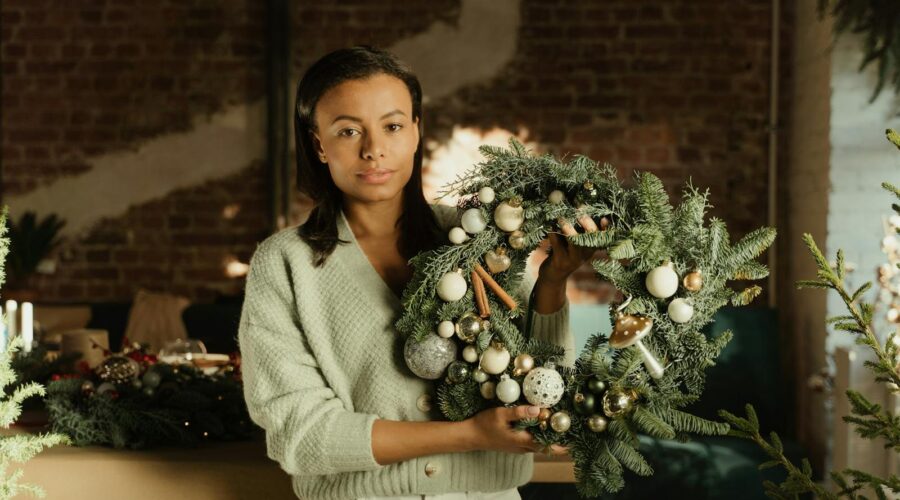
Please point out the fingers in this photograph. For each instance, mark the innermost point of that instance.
(588, 223)
(524, 412)
(566, 228)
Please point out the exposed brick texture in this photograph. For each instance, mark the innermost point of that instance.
(678, 88)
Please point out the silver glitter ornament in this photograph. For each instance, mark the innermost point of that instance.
(429, 358)
(118, 370)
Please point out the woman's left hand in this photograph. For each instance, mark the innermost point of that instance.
(565, 257)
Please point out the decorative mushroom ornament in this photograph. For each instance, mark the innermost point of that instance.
(628, 331)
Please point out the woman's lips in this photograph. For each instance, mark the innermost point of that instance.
(376, 176)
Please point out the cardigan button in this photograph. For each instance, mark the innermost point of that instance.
(430, 469)
(424, 403)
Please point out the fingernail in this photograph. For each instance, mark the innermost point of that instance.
(534, 411)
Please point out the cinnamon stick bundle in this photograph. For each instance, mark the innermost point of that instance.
(508, 301)
(481, 300)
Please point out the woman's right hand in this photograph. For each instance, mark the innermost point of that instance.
(493, 430)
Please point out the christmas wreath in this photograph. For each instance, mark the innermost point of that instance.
(670, 266)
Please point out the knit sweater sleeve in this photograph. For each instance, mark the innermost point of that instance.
(308, 429)
(552, 327)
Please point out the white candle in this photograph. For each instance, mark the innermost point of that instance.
(27, 325)
(12, 310)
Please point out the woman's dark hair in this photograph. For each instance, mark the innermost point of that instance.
(419, 228)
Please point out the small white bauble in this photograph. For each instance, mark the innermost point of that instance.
(543, 387)
(489, 390)
(479, 376)
(662, 282)
(486, 195)
(556, 197)
(458, 236)
(681, 310)
(452, 287)
(446, 329)
(494, 360)
(509, 216)
(508, 390)
(472, 221)
(470, 354)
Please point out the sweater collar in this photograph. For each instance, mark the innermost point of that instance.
(362, 270)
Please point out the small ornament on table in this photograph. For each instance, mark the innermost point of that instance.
(544, 386)
(509, 215)
(472, 221)
(151, 378)
(693, 281)
(617, 402)
(508, 389)
(468, 327)
(497, 260)
(495, 359)
(452, 286)
(458, 236)
(681, 310)
(560, 422)
(628, 331)
(429, 358)
(87, 388)
(118, 369)
(458, 372)
(486, 195)
(662, 281)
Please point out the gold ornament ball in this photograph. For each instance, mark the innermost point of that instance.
(524, 362)
(597, 423)
(560, 421)
(544, 415)
(543, 425)
(693, 281)
(617, 402)
(517, 372)
(517, 240)
(468, 327)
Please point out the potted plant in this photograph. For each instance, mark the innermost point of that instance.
(30, 242)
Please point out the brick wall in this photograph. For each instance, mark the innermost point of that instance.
(678, 88)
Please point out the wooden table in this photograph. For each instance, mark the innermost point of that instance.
(215, 471)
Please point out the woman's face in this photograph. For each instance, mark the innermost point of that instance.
(367, 136)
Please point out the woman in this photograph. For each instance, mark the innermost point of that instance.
(322, 369)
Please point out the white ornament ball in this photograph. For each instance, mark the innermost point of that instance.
(508, 217)
(494, 360)
(479, 376)
(429, 357)
(556, 197)
(489, 390)
(458, 236)
(452, 287)
(681, 310)
(472, 221)
(470, 354)
(446, 329)
(486, 194)
(508, 390)
(543, 387)
(662, 282)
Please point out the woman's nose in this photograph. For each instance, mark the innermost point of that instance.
(372, 148)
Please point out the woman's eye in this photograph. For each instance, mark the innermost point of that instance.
(394, 127)
(348, 132)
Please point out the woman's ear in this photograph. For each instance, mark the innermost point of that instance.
(317, 144)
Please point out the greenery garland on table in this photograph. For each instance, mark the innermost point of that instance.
(131, 401)
(597, 407)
